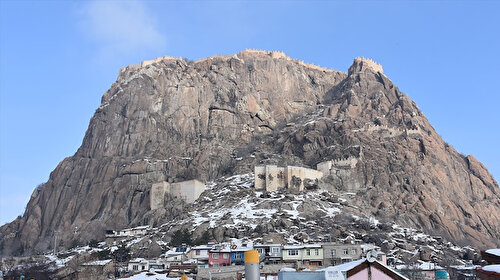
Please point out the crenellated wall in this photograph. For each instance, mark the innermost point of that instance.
(327, 166)
(390, 131)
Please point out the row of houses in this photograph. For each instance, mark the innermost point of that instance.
(226, 254)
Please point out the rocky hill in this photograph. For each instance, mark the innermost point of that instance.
(171, 119)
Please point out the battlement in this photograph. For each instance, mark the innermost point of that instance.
(158, 59)
(273, 54)
(391, 131)
(343, 163)
(126, 71)
(360, 64)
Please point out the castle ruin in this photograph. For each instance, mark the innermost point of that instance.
(271, 177)
(188, 191)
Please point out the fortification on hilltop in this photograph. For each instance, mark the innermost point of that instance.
(360, 64)
(239, 56)
(271, 177)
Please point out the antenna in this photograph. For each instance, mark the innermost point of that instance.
(371, 256)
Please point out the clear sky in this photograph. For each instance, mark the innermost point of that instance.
(57, 58)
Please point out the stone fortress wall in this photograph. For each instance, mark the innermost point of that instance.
(188, 191)
(271, 177)
(347, 163)
(273, 54)
(363, 63)
(390, 131)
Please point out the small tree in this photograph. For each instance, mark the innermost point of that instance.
(181, 236)
(93, 243)
(122, 254)
(203, 239)
(103, 254)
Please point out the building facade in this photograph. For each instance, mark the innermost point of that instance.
(334, 254)
(269, 253)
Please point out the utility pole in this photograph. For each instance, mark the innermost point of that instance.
(55, 242)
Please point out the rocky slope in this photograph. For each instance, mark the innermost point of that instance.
(173, 119)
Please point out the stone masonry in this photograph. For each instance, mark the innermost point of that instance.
(272, 177)
(188, 191)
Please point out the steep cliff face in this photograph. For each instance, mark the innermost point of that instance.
(172, 119)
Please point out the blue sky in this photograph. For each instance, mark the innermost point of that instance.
(57, 58)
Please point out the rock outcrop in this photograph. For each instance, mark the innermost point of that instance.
(172, 120)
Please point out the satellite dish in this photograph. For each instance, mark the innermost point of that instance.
(371, 256)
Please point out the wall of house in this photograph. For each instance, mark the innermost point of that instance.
(376, 275)
(312, 256)
(339, 253)
(287, 257)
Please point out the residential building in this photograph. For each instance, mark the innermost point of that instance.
(423, 270)
(307, 254)
(200, 254)
(334, 254)
(138, 264)
(312, 255)
(362, 269)
(269, 253)
(492, 270)
(219, 256)
(292, 254)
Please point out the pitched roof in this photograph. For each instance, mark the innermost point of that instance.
(351, 268)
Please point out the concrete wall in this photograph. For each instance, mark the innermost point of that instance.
(188, 191)
(157, 195)
(275, 178)
(339, 256)
(260, 177)
(271, 177)
(296, 176)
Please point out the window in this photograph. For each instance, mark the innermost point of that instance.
(225, 256)
(333, 252)
(354, 251)
(308, 252)
(215, 255)
(197, 252)
(293, 252)
(261, 251)
(316, 252)
(275, 250)
(135, 267)
(346, 251)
